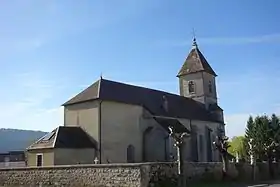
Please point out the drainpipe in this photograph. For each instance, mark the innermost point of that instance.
(99, 125)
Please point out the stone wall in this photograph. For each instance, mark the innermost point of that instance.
(132, 175)
(80, 175)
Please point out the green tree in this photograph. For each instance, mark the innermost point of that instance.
(249, 133)
(237, 145)
(262, 136)
(264, 131)
(250, 129)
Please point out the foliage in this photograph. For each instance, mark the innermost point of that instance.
(237, 146)
(264, 131)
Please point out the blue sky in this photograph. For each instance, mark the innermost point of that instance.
(51, 50)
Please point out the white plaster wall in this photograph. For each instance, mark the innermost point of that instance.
(120, 127)
(84, 115)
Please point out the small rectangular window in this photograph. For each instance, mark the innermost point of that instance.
(39, 160)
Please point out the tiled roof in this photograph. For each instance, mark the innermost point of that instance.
(178, 106)
(64, 137)
(195, 62)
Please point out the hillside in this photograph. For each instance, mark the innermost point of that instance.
(16, 140)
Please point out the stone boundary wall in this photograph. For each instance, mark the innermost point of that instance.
(127, 175)
(78, 175)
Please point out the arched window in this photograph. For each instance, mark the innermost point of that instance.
(210, 87)
(191, 87)
(130, 153)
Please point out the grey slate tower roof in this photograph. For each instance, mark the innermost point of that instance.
(195, 62)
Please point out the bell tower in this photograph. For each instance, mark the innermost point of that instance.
(197, 79)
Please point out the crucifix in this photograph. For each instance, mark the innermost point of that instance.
(194, 39)
(96, 160)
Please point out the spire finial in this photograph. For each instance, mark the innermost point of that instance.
(194, 40)
(101, 77)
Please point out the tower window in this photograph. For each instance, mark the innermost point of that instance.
(191, 87)
(210, 87)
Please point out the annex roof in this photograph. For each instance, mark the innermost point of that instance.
(64, 137)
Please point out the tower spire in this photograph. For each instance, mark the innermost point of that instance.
(194, 45)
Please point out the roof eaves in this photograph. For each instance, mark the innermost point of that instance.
(80, 102)
(36, 148)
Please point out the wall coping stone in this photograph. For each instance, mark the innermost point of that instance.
(113, 165)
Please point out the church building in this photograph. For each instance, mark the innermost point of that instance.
(114, 122)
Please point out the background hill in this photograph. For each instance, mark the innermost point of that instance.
(17, 140)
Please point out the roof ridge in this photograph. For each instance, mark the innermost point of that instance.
(127, 84)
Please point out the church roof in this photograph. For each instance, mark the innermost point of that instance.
(174, 123)
(64, 137)
(195, 62)
(153, 100)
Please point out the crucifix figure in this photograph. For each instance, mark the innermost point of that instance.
(96, 160)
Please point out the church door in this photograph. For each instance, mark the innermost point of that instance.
(130, 154)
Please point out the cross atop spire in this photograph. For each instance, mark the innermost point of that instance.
(194, 45)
